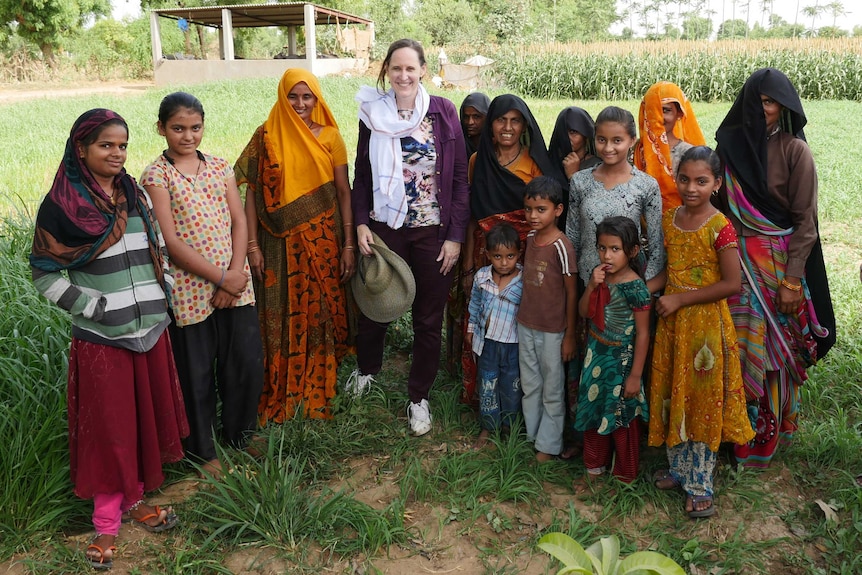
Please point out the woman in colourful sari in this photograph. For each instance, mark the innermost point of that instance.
(668, 129)
(511, 153)
(302, 250)
(783, 316)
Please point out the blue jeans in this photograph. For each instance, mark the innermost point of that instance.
(499, 383)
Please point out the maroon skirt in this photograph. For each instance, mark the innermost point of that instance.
(126, 417)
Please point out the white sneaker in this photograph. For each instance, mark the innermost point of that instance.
(358, 384)
(419, 416)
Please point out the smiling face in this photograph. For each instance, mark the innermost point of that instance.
(302, 100)
(613, 142)
(106, 156)
(183, 132)
(508, 129)
(472, 120)
(612, 253)
(405, 71)
(695, 183)
(771, 110)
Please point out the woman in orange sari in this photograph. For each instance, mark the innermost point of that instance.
(668, 129)
(302, 250)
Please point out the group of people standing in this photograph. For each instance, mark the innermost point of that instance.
(180, 294)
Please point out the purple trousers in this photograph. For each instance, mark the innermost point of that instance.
(419, 247)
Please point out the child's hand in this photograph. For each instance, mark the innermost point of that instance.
(223, 300)
(234, 282)
(632, 387)
(468, 339)
(255, 263)
(570, 347)
(598, 277)
(668, 304)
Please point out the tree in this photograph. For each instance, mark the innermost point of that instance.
(448, 21)
(732, 29)
(836, 9)
(814, 12)
(47, 23)
(586, 20)
(696, 27)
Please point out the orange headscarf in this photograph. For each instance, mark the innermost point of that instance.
(652, 153)
(305, 163)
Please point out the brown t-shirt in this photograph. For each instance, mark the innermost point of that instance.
(792, 181)
(543, 303)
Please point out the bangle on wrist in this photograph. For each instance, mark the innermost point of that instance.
(348, 248)
(252, 242)
(221, 281)
(790, 286)
(252, 249)
(470, 271)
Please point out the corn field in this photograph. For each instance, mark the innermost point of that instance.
(706, 71)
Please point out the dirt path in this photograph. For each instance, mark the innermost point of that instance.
(20, 93)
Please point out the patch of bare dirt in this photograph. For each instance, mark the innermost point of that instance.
(22, 93)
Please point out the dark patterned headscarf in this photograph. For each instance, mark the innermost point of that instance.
(78, 219)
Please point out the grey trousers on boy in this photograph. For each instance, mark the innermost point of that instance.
(543, 384)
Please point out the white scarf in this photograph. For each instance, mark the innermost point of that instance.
(379, 113)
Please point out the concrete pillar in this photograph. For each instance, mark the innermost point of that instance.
(227, 34)
(155, 38)
(291, 41)
(310, 39)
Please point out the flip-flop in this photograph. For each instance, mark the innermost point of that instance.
(702, 513)
(169, 522)
(101, 564)
(665, 475)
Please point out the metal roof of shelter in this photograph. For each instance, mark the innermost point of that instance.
(260, 15)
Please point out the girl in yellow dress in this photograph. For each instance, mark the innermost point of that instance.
(696, 396)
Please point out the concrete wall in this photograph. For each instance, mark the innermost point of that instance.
(184, 72)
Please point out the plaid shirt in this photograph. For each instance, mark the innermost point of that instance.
(492, 312)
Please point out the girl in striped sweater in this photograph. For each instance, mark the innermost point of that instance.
(97, 254)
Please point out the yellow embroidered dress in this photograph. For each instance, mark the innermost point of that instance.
(696, 391)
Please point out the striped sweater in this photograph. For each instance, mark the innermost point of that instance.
(115, 299)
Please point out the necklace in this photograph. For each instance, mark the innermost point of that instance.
(192, 181)
(509, 163)
(405, 114)
(773, 132)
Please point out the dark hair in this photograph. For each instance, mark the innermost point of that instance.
(623, 228)
(94, 135)
(544, 188)
(703, 154)
(620, 116)
(397, 45)
(502, 235)
(173, 102)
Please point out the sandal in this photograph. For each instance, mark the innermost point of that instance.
(666, 479)
(169, 522)
(101, 563)
(701, 513)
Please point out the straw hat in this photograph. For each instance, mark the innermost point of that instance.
(383, 285)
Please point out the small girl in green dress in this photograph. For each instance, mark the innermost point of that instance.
(611, 397)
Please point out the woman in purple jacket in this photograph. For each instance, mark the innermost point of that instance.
(410, 190)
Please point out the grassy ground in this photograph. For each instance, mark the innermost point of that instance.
(356, 494)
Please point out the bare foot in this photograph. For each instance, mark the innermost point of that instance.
(543, 457)
(587, 482)
(101, 550)
(571, 451)
(482, 440)
(212, 468)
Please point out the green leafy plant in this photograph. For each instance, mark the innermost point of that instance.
(603, 557)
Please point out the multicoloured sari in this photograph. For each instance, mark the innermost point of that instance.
(302, 304)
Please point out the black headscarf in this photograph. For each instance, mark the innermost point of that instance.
(494, 189)
(571, 118)
(480, 102)
(741, 141)
(742, 135)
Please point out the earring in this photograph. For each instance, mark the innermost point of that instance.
(715, 192)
